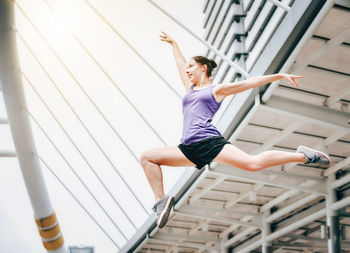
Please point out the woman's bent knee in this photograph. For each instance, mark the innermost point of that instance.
(255, 164)
(145, 158)
(148, 156)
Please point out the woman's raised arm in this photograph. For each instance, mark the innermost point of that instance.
(179, 58)
(224, 90)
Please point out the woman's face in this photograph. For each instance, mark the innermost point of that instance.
(195, 71)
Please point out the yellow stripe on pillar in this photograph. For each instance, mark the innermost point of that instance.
(55, 244)
(46, 222)
(49, 233)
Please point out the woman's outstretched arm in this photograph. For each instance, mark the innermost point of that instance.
(224, 90)
(179, 58)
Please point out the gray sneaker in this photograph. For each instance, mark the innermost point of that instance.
(313, 156)
(162, 209)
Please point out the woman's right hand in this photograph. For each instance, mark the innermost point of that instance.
(165, 37)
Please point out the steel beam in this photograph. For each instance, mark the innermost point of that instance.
(311, 245)
(285, 210)
(255, 242)
(305, 238)
(172, 236)
(311, 179)
(3, 121)
(344, 3)
(342, 181)
(239, 236)
(7, 153)
(197, 227)
(281, 5)
(173, 249)
(277, 200)
(317, 245)
(243, 195)
(320, 51)
(345, 202)
(218, 219)
(254, 177)
(206, 189)
(183, 244)
(233, 227)
(302, 42)
(337, 166)
(311, 113)
(309, 211)
(199, 209)
(283, 134)
(322, 242)
(311, 215)
(341, 93)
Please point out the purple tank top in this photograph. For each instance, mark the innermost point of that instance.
(199, 107)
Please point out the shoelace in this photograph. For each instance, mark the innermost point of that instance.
(314, 159)
(154, 208)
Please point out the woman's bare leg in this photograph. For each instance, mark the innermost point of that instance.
(151, 161)
(233, 156)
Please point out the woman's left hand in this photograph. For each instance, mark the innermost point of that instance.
(291, 79)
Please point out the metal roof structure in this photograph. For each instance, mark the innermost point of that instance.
(290, 208)
(284, 208)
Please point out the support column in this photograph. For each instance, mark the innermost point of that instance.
(266, 230)
(333, 231)
(15, 104)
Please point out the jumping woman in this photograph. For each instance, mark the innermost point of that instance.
(201, 142)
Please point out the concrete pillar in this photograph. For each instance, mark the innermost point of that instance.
(266, 230)
(15, 104)
(333, 229)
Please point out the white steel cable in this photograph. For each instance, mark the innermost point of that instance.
(105, 73)
(76, 147)
(79, 84)
(77, 200)
(131, 47)
(84, 126)
(75, 173)
(226, 59)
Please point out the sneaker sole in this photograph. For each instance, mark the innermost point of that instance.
(306, 149)
(164, 215)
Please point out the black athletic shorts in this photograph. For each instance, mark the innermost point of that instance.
(203, 152)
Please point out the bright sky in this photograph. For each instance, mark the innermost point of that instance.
(140, 24)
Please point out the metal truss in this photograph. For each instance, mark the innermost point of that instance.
(280, 207)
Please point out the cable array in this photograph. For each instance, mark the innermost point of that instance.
(82, 123)
(104, 71)
(75, 173)
(131, 47)
(100, 67)
(77, 148)
(77, 200)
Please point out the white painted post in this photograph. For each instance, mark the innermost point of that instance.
(22, 135)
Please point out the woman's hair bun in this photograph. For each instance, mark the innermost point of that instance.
(213, 63)
(202, 60)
